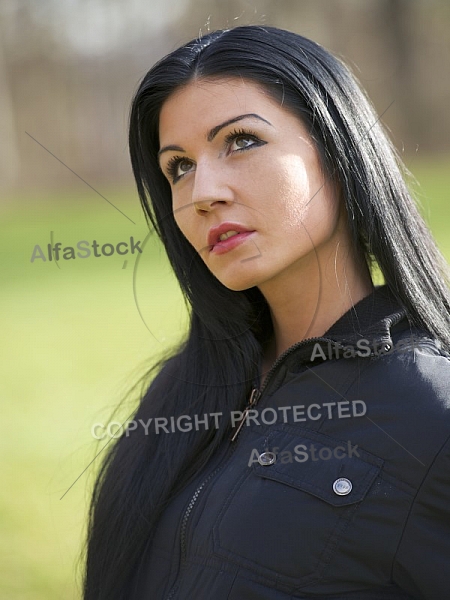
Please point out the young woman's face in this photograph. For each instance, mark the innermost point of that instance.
(238, 162)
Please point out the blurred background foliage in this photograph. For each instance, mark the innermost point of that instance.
(78, 334)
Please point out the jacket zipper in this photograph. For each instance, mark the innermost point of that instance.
(256, 393)
(188, 511)
(184, 523)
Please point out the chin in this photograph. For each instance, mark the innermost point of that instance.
(238, 284)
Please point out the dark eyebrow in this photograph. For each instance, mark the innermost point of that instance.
(215, 130)
(172, 147)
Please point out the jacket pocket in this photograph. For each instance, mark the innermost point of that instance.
(287, 512)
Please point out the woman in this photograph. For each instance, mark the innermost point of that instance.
(301, 447)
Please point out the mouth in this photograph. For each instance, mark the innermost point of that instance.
(228, 234)
(225, 231)
(228, 240)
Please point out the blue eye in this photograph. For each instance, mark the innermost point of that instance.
(242, 140)
(178, 166)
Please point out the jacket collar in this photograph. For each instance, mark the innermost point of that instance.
(371, 319)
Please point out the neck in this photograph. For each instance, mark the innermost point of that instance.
(302, 311)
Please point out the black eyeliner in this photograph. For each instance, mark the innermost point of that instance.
(236, 133)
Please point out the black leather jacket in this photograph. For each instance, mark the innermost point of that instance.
(340, 490)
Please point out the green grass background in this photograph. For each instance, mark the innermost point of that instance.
(73, 343)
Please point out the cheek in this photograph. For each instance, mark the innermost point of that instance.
(291, 191)
(319, 218)
(180, 210)
(183, 226)
(305, 204)
(184, 218)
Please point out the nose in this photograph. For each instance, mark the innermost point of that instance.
(211, 187)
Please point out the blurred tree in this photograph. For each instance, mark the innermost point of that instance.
(68, 71)
(9, 148)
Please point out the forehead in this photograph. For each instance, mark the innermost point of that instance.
(203, 103)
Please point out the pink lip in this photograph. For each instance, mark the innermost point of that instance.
(230, 243)
(219, 247)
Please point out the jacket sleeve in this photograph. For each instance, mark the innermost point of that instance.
(422, 562)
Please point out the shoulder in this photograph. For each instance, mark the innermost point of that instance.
(407, 396)
(416, 369)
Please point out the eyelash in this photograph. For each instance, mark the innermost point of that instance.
(173, 163)
(172, 167)
(241, 133)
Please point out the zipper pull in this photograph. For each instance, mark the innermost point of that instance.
(254, 397)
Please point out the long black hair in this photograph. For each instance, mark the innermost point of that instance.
(213, 368)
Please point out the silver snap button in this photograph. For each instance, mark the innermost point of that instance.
(342, 486)
(267, 458)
